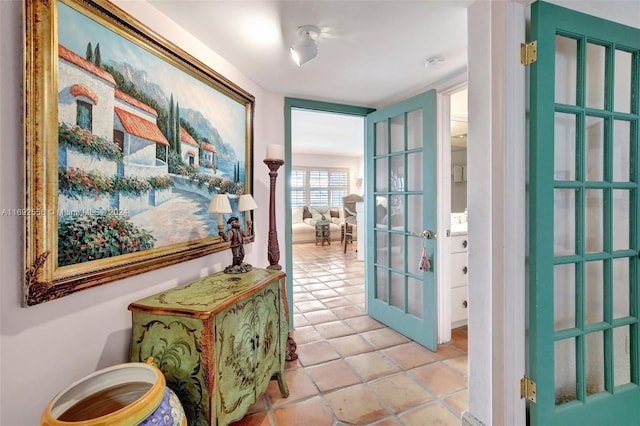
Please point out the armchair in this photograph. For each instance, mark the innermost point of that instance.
(349, 207)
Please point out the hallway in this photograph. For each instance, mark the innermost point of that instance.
(352, 370)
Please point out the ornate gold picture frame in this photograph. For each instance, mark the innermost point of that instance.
(127, 138)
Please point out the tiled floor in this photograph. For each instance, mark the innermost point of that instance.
(352, 370)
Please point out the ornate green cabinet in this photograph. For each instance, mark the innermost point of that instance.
(218, 340)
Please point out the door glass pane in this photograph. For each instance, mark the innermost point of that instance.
(414, 254)
(397, 173)
(397, 212)
(382, 257)
(593, 292)
(621, 151)
(622, 81)
(621, 288)
(564, 222)
(595, 75)
(382, 281)
(397, 291)
(414, 172)
(621, 356)
(414, 129)
(565, 371)
(621, 209)
(566, 70)
(381, 211)
(594, 362)
(594, 135)
(565, 147)
(382, 176)
(382, 143)
(564, 296)
(414, 219)
(415, 289)
(397, 134)
(397, 251)
(594, 220)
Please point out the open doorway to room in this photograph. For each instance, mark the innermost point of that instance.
(327, 166)
(453, 269)
(326, 169)
(459, 242)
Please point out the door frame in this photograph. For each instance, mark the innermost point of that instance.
(497, 212)
(289, 104)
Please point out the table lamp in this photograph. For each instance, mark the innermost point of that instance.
(220, 204)
(246, 203)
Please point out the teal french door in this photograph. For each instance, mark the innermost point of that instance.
(584, 271)
(400, 200)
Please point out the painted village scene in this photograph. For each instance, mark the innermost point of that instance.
(142, 147)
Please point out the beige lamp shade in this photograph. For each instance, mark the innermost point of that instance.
(219, 204)
(246, 202)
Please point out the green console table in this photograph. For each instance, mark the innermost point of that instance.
(218, 341)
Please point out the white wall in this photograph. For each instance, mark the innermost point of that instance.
(496, 187)
(46, 347)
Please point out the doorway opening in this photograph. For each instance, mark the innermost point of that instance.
(326, 187)
(458, 210)
(321, 179)
(326, 178)
(453, 278)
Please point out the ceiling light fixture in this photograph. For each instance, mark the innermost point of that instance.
(306, 49)
(434, 63)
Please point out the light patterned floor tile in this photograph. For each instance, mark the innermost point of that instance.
(356, 405)
(430, 414)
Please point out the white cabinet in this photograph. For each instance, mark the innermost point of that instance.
(459, 280)
(459, 269)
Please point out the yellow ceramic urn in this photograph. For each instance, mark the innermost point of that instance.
(126, 394)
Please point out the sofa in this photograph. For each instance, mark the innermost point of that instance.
(304, 219)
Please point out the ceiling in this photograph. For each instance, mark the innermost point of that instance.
(371, 53)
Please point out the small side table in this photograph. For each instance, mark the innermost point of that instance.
(323, 232)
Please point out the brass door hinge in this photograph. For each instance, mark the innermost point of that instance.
(528, 53)
(528, 389)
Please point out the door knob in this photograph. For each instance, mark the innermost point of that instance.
(428, 235)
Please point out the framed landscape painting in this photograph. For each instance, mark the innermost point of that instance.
(127, 138)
